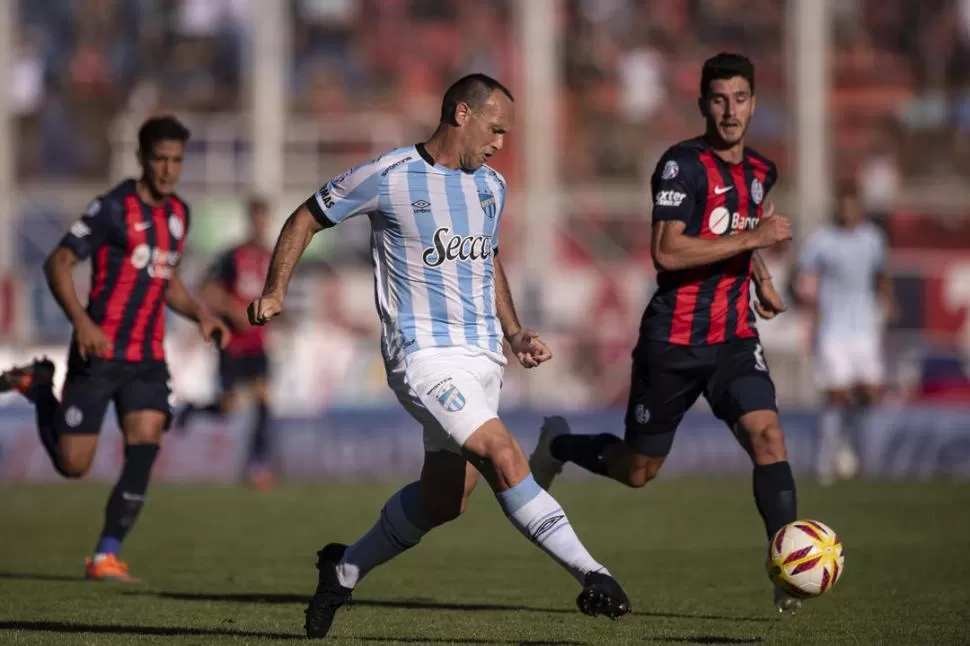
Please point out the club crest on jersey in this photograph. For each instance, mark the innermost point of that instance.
(757, 191)
(487, 201)
(671, 169)
(175, 227)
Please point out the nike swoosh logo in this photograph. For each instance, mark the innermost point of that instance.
(141, 226)
(721, 190)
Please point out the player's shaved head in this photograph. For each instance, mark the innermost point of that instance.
(474, 91)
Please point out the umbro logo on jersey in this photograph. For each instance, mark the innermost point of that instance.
(421, 206)
(721, 190)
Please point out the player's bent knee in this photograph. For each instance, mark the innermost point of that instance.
(767, 443)
(642, 470)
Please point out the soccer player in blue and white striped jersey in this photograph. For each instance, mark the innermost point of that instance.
(445, 309)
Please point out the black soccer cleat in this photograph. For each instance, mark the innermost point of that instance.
(23, 378)
(602, 595)
(330, 595)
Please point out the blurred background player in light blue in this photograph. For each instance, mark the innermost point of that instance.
(842, 275)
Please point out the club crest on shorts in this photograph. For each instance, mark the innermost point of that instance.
(641, 414)
(73, 416)
(448, 396)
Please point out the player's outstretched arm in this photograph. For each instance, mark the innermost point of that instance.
(526, 344)
(178, 298)
(218, 300)
(673, 250)
(296, 234)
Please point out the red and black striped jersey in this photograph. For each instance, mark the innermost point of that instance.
(241, 272)
(710, 304)
(134, 250)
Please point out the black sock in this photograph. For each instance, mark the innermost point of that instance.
(583, 450)
(259, 448)
(47, 406)
(774, 494)
(127, 497)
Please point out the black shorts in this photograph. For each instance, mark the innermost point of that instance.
(92, 383)
(235, 370)
(667, 380)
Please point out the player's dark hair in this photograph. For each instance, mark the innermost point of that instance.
(473, 90)
(726, 66)
(156, 129)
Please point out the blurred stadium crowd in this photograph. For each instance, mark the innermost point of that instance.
(900, 119)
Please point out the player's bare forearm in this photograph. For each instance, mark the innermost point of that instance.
(296, 234)
(759, 270)
(504, 307)
(58, 269)
(178, 298)
(216, 298)
(673, 250)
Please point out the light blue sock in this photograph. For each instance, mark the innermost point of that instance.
(542, 520)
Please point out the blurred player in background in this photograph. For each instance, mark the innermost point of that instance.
(444, 305)
(134, 235)
(841, 274)
(698, 333)
(230, 285)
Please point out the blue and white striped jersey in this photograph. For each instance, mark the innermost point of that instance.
(846, 263)
(434, 232)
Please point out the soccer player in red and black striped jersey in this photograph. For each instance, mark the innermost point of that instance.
(234, 280)
(134, 236)
(698, 333)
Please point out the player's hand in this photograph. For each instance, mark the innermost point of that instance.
(769, 303)
(772, 228)
(529, 348)
(264, 308)
(92, 341)
(213, 330)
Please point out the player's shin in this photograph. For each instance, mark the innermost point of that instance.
(46, 407)
(542, 520)
(127, 498)
(830, 434)
(259, 449)
(586, 451)
(774, 495)
(400, 527)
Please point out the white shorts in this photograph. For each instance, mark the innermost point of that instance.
(842, 362)
(451, 392)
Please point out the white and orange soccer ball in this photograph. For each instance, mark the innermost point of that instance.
(805, 558)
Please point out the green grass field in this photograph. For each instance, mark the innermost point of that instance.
(227, 565)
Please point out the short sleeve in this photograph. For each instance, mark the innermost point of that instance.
(354, 192)
(497, 187)
(223, 270)
(881, 250)
(771, 177)
(674, 187)
(93, 229)
(810, 257)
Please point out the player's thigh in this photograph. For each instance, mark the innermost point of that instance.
(143, 403)
(741, 382)
(870, 370)
(665, 382)
(452, 388)
(447, 481)
(834, 368)
(88, 388)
